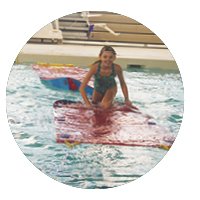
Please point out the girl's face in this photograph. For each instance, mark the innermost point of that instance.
(107, 58)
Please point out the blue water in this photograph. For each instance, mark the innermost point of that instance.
(30, 115)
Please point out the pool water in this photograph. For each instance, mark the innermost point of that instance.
(30, 115)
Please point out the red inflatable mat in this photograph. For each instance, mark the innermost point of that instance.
(120, 125)
(49, 72)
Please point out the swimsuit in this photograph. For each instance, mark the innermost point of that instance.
(103, 83)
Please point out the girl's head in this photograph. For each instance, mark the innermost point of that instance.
(107, 49)
(107, 56)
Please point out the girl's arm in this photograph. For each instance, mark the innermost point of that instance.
(123, 86)
(122, 82)
(87, 78)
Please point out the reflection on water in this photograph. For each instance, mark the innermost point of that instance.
(30, 115)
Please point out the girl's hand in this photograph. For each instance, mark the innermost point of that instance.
(134, 107)
(129, 103)
(88, 105)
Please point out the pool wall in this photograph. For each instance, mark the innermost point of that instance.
(83, 55)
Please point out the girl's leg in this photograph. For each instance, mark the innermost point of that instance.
(109, 97)
(96, 97)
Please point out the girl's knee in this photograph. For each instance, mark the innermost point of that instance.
(95, 102)
(106, 105)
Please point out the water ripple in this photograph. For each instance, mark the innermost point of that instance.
(30, 115)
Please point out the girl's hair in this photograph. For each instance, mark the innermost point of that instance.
(106, 48)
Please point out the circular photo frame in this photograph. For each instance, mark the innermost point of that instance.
(95, 99)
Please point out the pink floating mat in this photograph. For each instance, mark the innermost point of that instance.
(120, 125)
(48, 72)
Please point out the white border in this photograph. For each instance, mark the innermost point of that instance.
(176, 23)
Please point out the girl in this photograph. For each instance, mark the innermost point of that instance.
(105, 88)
